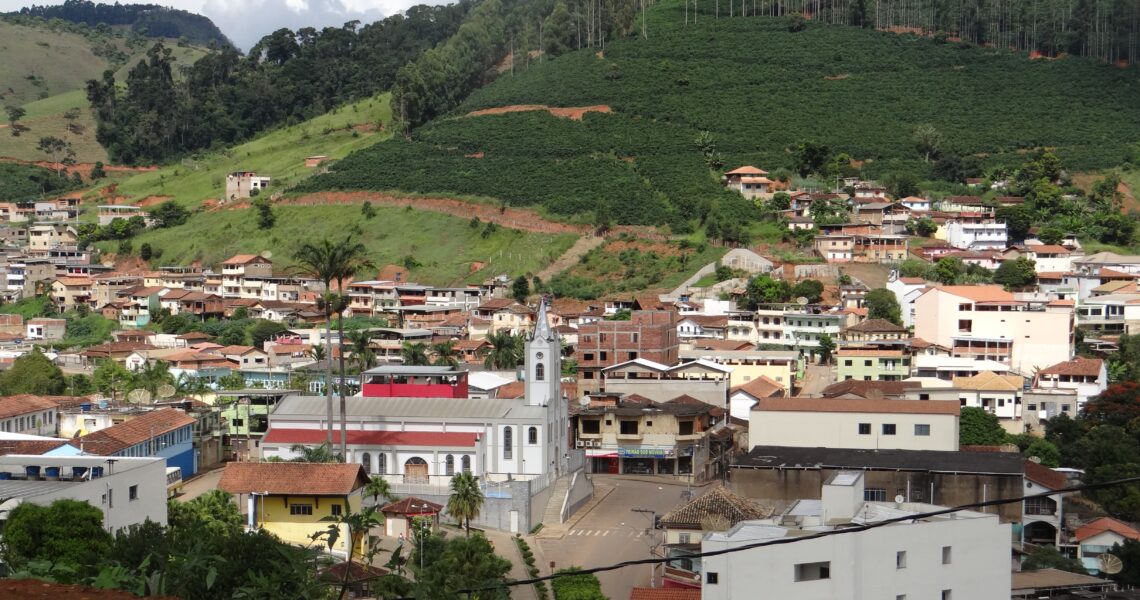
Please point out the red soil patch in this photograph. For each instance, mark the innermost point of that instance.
(839, 77)
(476, 155)
(659, 248)
(83, 169)
(34, 589)
(153, 200)
(368, 127)
(575, 112)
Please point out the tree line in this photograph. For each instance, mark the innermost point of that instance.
(168, 110)
(149, 19)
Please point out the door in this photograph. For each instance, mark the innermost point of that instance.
(415, 470)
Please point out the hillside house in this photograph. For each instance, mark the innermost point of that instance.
(238, 267)
(750, 181)
(997, 394)
(685, 526)
(47, 236)
(651, 335)
(872, 364)
(49, 330)
(1087, 376)
(704, 380)
(110, 212)
(241, 184)
(976, 234)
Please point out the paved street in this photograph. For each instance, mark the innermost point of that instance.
(816, 378)
(200, 485)
(610, 532)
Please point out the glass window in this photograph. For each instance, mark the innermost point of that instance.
(449, 465)
(381, 463)
(813, 571)
(508, 443)
(874, 494)
(300, 509)
(921, 429)
(366, 461)
(133, 492)
(539, 372)
(532, 436)
(466, 462)
(864, 429)
(888, 428)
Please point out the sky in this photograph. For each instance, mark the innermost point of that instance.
(246, 21)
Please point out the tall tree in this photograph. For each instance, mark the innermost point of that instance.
(506, 351)
(415, 354)
(466, 499)
(445, 354)
(881, 303)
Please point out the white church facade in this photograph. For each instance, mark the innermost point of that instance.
(417, 425)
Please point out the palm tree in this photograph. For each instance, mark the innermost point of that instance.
(187, 385)
(378, 488)
(505, 352)
(315, 454)
(466, 499)
(445, 354)
(153, 375)
(317, 352)
(362, 353)
(330, 261)
(414, 354)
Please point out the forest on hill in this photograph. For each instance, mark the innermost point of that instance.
(151, 20)
(163, 112)
(780, 93)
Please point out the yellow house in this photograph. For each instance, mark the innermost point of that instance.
(292, 500)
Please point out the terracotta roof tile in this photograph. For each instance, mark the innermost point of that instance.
(665, 593)
(1103, 524)
(293, 478)
(241, 259)
(106, 442)
(29, 446)
(869, 389)
(1089, 367)
(990, 381)
(761, 387)
(747, 170)
(11, 406)
(923, 407)
(412, 506)
(1045, 476)
(877, 326)
(978, 293)
(718, 502)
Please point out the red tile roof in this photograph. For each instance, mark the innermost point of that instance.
(924, 407)
(747, 170)
(23, 404)
(877, 326)
(1103, 524)
(761, 387)
(1089, 367)
(293, 478)
(372, 438)
(243, 259)
(1045, 476)
(29, 446)
(116, 438)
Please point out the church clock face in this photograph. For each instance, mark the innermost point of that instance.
(538, 355)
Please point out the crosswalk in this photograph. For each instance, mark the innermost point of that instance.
(621, 532)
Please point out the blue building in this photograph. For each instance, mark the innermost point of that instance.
(166, 433)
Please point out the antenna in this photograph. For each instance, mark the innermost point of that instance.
(266, 254)
(166, 390)
(139, 396)
(1109, 564)
(802, 301)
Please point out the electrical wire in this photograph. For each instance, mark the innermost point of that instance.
(846, 529)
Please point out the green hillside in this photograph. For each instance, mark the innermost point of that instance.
(445, 246)
(279, 154)
(760, 90)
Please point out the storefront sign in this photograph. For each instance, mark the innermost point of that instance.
(647, 452)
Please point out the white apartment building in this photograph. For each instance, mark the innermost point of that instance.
(959, 556)
(854, 423)
(1085, 376)
(128, 490)
(1112, 314)
(769, 326)
(977, 236)
(906, 290)
(803, 330)
(987, 322)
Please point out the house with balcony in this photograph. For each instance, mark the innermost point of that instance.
(685, 526)
(916, 204)
(1046, 257)
(802, 330)
(1044, 517)
(977, 235)
(649, 334)
(1110, 314)
(388, 342)
(872, 364)
(47, 236)
(874, 330)
(835, 247)
(780, 366)
(69, 292)
(987, 322)
(750, 181)
(631, 434)
(1087, 377)
(702, 326)
(999, 395)
(238, 267)
(704, 380)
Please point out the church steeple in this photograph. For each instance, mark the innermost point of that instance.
(542, 324)
(543, 362)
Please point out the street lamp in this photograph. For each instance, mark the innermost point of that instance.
(650, 540)
(423, 527)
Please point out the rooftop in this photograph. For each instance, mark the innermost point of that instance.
(292, 478)
(858, 405)
(1088, 367)
(938, 461)
(718, 502)
(116, 438)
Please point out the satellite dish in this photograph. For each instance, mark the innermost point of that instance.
(1012, 448)
(802, 301)
(166, 390)
(899, 499)
(1109, 564)
(139, 396)
(267, 254)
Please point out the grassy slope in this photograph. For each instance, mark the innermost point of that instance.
(279, 154)
(44, 118)
(445, 245)
(759, 89)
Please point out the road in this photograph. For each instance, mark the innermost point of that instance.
(611, 532)
(816, 378)
(200, 485)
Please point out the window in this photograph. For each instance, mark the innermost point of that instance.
(900, 559)
(712, 578)
(866, 363)
(539, 372)
(588, 356)
(924, 396)
(847, 363)
(947, 595)
(508, 443)
(864, 429)
(239, 422)
(466, 462)
(133, 492)
(965, 325)
(685, 428)
(684, 538)
(947, 555)
(900, 597)
(648, 423)
(381, 463)
(874, 494)
(888, 428)
(335, 510)
(921, 429)
(300, 509)
(813, 571)
(366, 460)
(628, 427)
(591, 426)
(449, 465)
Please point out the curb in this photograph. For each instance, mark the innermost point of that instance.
(564, 527)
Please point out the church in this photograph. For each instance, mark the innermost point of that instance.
(417, 425)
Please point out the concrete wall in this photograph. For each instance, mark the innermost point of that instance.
(780, 486)
(841, 430)
(538, 504)
(581, 491)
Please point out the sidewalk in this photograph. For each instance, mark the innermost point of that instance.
(602, 489)
(506, 547)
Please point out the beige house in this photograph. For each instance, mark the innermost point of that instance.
(996, 394)
(68, 292)
(987, 322)
(48, 236)
(854, 423)
(636, 435)
(748, 365)
(241, 184)
(750, 181)
(238, 268)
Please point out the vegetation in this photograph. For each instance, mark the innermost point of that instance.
(150, 20)
(28, 182)
(625, 265)
(979, 427)
(64, 533)
(584, 586)
(466, 499)
(1048, 557)
(531, 569)
(882, 304)
(450, 565)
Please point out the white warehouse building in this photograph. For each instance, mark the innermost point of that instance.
(960, 556)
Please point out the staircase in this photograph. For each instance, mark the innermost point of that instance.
(553, 514)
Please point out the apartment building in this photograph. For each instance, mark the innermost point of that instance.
(649, 334)
(987, 322)
(872, 364)
(639, 436)
(237, 268)
(977, 235)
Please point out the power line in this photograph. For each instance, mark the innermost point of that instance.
(847, 528)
